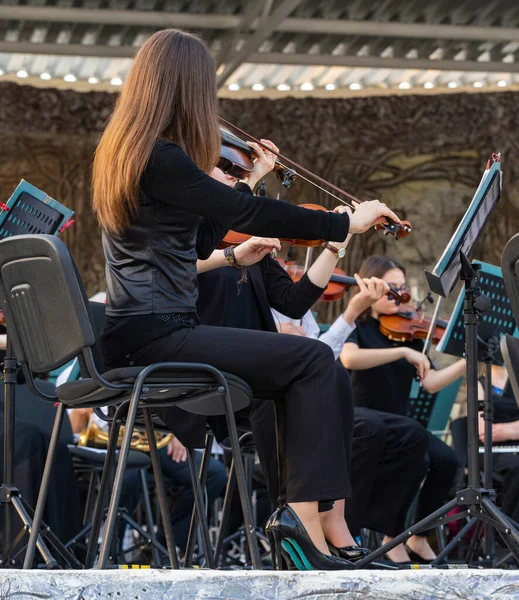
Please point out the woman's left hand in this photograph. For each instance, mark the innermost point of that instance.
(254, 249)
(263, 164)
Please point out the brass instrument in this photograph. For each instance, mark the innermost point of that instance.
(96, 437)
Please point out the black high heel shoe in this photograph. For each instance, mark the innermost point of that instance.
(416, 558)
(292, 547)
(351, 553)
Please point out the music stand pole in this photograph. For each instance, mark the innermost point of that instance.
(9, 376)
(487, 406)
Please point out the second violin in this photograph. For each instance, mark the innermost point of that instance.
(339, 284)
(410, 324)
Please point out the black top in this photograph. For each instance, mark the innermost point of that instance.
(505, 406)
(268, 285)
(151, 267)
(386, 387)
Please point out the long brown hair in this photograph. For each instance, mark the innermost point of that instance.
(377, 266)
(170, 93)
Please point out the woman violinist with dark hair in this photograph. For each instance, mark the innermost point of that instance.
(152, 194)
(382, 373)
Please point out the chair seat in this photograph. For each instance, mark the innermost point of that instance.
(96, 457)
(160, 387)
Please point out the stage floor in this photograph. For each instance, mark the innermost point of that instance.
(264, 585)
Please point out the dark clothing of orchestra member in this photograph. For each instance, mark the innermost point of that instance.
(505, 465)
(151, 308)
(387, 388)
(387, 458)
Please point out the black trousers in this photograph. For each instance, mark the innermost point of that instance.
(297, 372)
(268, 424)
(441, 472)
(388, 466)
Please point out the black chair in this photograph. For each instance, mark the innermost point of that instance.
(49, 322)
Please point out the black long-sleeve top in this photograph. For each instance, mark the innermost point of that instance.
(151, 266)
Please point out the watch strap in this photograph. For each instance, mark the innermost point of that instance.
(333, 249)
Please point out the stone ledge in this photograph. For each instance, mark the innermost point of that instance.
(248, 585)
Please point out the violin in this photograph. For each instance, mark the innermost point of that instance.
(397, 230)
(339, 284)
(235, 238)
(236, 160)
(410, 324)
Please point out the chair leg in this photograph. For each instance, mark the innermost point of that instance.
(44, 488)
(161, 490)
(204, 468)
(250, 530)
(149, 516)
(200, 508)
(104, 486)
(226, 514)
(121, 467)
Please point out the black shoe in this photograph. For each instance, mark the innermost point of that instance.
(351, 553)
(292, 547)
(417, 559)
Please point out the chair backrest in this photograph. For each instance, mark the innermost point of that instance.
(433, 410)
(44, 301)
(510, 351)
(510, 269)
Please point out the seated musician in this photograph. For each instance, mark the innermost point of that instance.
(152, 196)
(505, 431)
(378, 440)
(382, 375)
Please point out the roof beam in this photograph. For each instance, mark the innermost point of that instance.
(377, 62)
(265, 29)
(140, 18)
(277, 58)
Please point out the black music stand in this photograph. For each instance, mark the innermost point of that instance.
(495, 322)
(474, 501)
(28, 211)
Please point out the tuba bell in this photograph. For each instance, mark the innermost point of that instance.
(96, 437)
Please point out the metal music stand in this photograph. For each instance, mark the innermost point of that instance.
(28, 211)
(474, 501)
(497, 321)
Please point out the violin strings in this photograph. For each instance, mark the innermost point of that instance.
(325, 191)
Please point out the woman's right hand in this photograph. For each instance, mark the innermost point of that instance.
(419, 360)
(368, 214)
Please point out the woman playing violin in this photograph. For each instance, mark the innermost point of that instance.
(153, 195)
(382, 375)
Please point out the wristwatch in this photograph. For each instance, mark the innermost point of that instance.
(339, 252)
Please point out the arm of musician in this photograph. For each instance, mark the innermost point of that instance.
(3, 341)
(209, 235)
(79, 418)
(435, 381)
(322, 269)
(246, 254)
(357, 359)
(216, 260)
(291, 299)
(505, 432)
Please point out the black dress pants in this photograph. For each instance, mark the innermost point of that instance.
(441, 471)
(296, 371)
(268, 425)
(388, 466)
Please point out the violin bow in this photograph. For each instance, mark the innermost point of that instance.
(300, 169)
